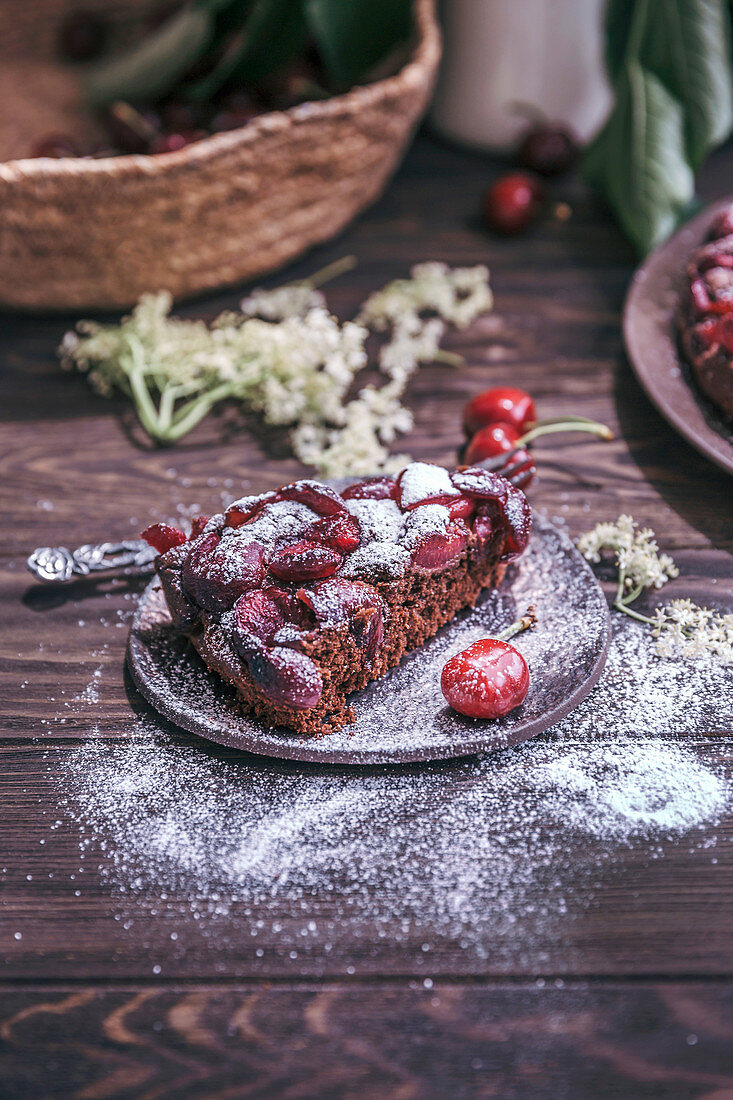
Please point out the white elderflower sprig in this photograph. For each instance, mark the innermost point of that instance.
(283, 355)
(457, 295)
(681, 628)
(640, 563)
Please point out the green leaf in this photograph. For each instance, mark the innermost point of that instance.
(689, 50)
(152, 67)
(352, 36)
(686, 44)
(274, 34)
(639, 160)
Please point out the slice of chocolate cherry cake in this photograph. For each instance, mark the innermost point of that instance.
(302, 595)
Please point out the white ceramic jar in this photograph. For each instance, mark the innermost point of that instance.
(547, 54)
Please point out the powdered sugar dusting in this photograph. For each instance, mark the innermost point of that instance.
(464, 849)
(421, 480)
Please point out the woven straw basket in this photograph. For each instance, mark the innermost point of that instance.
(84, 233)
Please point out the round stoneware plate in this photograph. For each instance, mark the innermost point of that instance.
(403, 716)
(651, 343)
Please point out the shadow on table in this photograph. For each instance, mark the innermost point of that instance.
(689, 483)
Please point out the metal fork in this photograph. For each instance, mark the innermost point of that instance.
(58, 565)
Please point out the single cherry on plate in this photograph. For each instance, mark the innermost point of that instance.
(505, 404)
(487, 680)
(513, 202)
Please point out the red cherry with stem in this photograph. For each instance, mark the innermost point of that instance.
(487, 680)
(505, 404)
(548, 149)
(498, 439)
(513, 202)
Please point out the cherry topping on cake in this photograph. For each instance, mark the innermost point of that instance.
(257, 617)
(422, 483)
(304, 561)
(374, 488)
(246, 509)
(462, 508)
(512, 517)
(286, 677)
(481, 484)
(197, 526)
(215, 573)
(340, 532)
(502, 404)
(487, 680)
(437, 549)
(162, 537)
(338, 601)
(318, 497)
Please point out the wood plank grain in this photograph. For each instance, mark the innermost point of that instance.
(640, 911)
(393, 1041)
(74, 468)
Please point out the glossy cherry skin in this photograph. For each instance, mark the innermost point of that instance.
(162, 537)
(513, 202)
(487, 680)
(502, 404)
(548, 150)
(498, 439)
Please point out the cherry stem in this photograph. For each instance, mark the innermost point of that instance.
(566, 424)
(527, 622)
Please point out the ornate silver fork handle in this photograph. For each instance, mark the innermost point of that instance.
(57, 564)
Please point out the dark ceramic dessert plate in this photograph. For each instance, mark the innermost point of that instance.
(650, 335)
(403, 717)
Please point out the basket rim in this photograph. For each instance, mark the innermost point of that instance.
(422, 60)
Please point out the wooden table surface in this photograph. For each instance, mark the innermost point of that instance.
(631, 998)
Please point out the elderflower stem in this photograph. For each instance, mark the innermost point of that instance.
(452, 358)
(527, 622)
(195, 411)
(570, 424)
(633, 614)
(330, 271)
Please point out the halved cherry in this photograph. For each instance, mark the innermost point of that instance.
(216, 572)
(338, 601)
(340, 532)
(462, 508)
(288, 678)
(257, 617)
(162, 537)
(510, 518)
(246, 509)
(502, 404)
(197, 526)
(481, 484)
(314, 495)
(424, 483)
(437, 549)
(374, 488)
(304, 561)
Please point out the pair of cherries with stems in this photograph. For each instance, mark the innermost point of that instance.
(491, 678)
